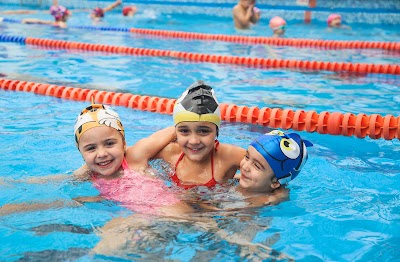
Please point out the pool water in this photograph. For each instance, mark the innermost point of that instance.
(344, 206)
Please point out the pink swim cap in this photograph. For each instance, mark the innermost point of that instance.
(58, 11)
(276, 23)
(333, 17)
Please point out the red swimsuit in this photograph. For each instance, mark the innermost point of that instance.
(211, 183)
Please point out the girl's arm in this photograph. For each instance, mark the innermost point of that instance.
(147, 148)
(8, 209)
(82, 173)
(232, 156)
(36, 21)
(112, 6)
(18, 12)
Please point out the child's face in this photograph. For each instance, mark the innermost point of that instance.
(247, 3)
(279, 32)
(256, 174)
(336, 22)
(102, 148)
(196, 139)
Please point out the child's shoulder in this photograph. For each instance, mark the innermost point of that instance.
(231, 155)
(170, 152)
(236, 8)
(229, 148)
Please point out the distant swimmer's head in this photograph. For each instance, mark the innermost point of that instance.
(97, 115)
(129, 10)
(334, 20)
(286, 153)
(97, 12)
(277, 23)
(59, 12)
(198, 103)
(246, 3)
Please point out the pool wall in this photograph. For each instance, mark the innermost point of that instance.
(366, 12)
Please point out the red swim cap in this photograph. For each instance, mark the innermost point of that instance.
(127, 9)
(98, 12)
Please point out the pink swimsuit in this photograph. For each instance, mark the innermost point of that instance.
(137, 192)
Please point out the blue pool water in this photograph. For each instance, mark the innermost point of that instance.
(344, 206)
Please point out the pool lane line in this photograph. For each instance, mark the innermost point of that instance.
(250, 40)
(334, 123)
(253, 62)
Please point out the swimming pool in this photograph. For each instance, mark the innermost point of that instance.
(343, 207)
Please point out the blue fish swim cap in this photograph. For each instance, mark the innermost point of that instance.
(286, 153)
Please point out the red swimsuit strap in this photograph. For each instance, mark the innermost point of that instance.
(211, 183)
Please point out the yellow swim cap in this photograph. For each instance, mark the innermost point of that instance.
(197, 103)
(97, 115)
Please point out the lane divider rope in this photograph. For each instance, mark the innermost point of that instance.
(250, 40)
(255, 62)
(334, 123)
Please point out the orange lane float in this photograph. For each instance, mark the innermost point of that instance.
(209, 58)
(334, 123)
(315, 43)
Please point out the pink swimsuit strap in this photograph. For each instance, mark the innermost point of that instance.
(124, 164)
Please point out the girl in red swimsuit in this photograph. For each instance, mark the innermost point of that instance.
(198, 159)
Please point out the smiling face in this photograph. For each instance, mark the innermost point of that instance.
(102, 148)
(256, 173)
(196, 139)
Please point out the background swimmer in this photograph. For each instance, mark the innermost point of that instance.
(278, 26)
(335, 21)
(59, 12)
(245, 14)
(129, 11)
(98, 13)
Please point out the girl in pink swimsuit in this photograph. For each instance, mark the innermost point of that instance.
(100, 138)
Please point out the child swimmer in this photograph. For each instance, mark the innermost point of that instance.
(278, 26)
(100, 138)
(271, 162)
(60, 14)
(198, 159)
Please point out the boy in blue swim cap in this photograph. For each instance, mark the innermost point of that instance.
(273, 160)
